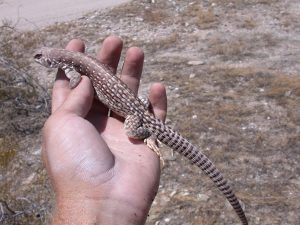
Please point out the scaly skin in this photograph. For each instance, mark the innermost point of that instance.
(120, 99)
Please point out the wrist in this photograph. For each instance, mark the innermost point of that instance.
(102, 211)
(73, 212)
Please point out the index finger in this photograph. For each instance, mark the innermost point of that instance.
(61, 88)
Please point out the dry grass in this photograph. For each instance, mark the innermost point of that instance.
(237, 48)
(229, 50)
(60, 29)
(128, 9)
(20, 94)
(276, 84)
(230, 77)
(194, 14)
(14, 43)
(240, 3)
(248, 23)
(160, 42)
(221, 104)
(8, 149)
(286, 91)
(155, 16)
(284, 86)
(289, 21)
(237, 83)
(167, 41)
(214, 108)
(264, 40)
(203, 18)
(230, 87)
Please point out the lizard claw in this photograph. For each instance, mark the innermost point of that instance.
(152, 143)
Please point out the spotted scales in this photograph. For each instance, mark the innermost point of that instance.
(139, 122)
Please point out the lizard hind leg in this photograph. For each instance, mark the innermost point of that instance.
(134, 129)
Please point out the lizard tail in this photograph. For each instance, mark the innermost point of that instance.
(175, 141)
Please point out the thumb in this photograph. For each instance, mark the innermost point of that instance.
(80, 100)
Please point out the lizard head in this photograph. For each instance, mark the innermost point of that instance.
(42, 57)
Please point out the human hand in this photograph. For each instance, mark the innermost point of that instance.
(99, 175)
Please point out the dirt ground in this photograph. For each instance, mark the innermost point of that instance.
(233, 77)
(31, 14)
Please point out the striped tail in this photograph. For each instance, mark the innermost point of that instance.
(175, 141)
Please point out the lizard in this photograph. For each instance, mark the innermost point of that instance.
(139, 122)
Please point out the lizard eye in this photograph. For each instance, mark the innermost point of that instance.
(38, 56)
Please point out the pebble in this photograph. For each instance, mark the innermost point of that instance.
(195, 63)
(192, 75)
(202, 197)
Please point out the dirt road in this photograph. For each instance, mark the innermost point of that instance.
(29, 14)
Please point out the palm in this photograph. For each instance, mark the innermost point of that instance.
(94, 154)
(88, 153)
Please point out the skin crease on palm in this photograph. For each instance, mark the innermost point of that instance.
(98, 174)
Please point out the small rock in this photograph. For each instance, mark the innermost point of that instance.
(173, 193)
(37, 151)
(192, 75)
(167, 220)
(185, 193)
(287, 93)
(29, 179)
(203, 197)
(139, 19)
(195, 63)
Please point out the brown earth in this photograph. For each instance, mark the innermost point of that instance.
(232, 73)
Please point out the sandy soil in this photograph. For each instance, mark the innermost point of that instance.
(31, 14)
(231, 68)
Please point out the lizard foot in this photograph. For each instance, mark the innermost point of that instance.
(152, 143)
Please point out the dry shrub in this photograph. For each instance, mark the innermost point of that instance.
(199, 16)
(241, 3)
(8, 149)
(155, 16)
(248, 23)
(127, 9)
(236, 48)
(149, 15)
(284, 85)
(60, 29)
(289, 21)
(168, 40)
(232, 49)
(228, 77)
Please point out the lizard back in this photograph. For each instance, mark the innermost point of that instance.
(119, 98)
(109, 88)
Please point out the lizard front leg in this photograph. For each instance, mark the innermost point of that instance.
(72, 75)
(134, 129)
